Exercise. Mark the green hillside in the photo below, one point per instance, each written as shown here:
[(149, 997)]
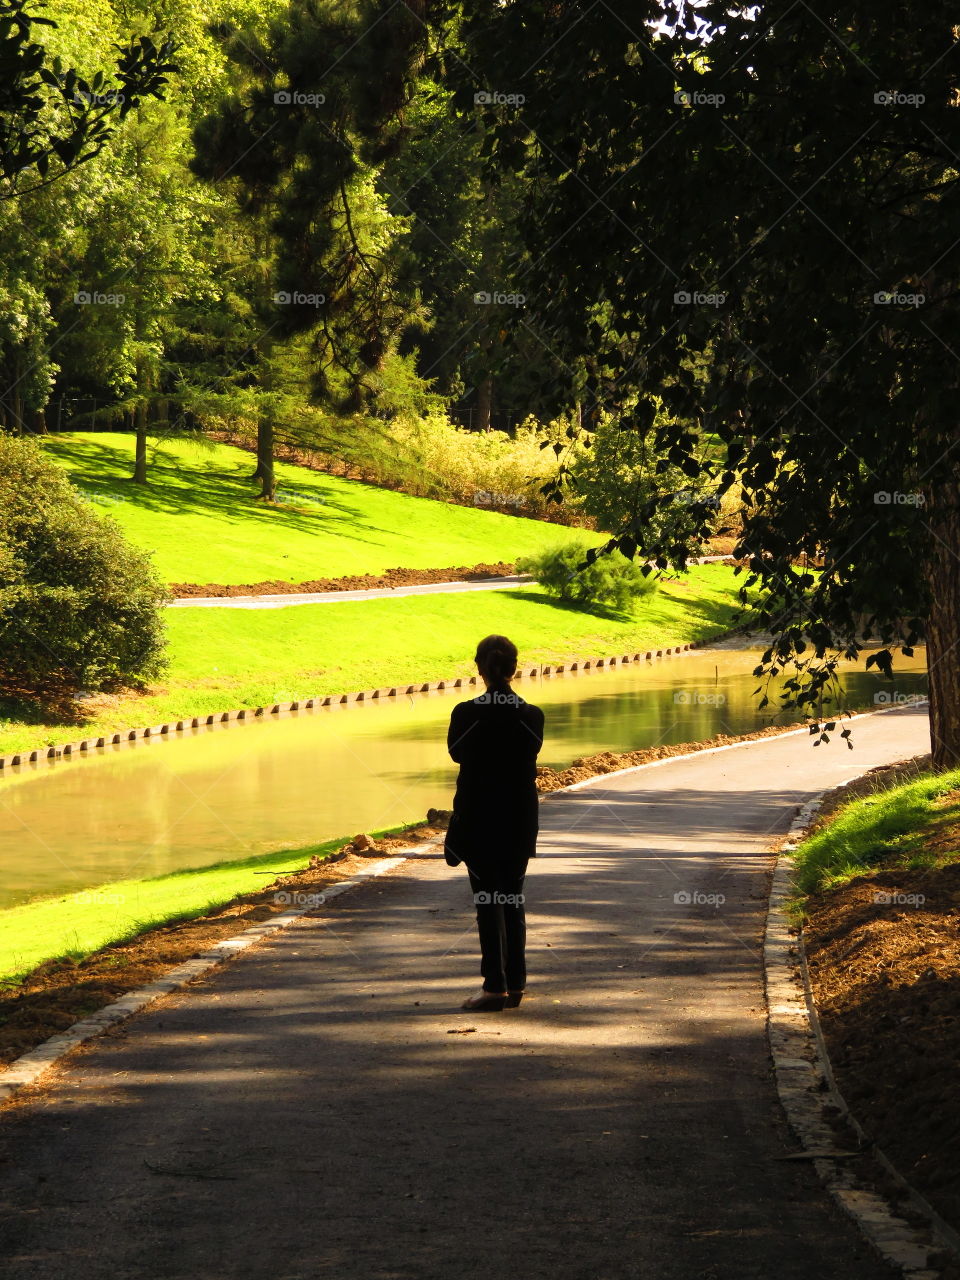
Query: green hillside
[(200, 517)]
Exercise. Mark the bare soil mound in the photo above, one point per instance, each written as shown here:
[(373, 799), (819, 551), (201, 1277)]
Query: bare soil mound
[(884, 958)]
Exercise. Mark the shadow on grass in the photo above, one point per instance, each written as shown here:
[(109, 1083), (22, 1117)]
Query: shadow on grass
[(572, 606), (176, 488), (53, 704), (719, 613)]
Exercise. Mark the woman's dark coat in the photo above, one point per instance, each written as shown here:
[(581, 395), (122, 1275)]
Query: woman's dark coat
[(495, 738)]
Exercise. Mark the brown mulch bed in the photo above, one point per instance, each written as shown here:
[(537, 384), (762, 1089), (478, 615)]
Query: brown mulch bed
[(363, 581), (355, 582), (886, 979)]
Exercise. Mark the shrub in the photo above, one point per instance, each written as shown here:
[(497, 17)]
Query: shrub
[(620, 474), (611, 580), (78, 604), (428, 456)]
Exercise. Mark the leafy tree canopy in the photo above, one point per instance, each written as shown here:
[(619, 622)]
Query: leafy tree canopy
[(772, 189)]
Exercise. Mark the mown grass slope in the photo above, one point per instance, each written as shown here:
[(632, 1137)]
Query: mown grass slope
[(200, 517), (908, 827)]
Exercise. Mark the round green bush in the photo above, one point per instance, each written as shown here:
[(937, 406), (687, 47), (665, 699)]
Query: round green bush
[(78, 604), (612, 580)]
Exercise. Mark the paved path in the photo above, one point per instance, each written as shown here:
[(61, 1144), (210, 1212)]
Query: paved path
[(306, 1111)]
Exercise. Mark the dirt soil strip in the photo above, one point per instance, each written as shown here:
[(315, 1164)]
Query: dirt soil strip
[(357, 582), (624, 1114), (883, 953), (900, 1224)]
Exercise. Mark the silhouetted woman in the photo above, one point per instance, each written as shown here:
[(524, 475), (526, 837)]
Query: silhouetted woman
[(495, 739)]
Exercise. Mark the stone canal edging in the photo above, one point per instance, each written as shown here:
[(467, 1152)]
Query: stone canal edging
[(86, 746)]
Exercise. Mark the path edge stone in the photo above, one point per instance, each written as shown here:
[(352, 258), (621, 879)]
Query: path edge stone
[(807, 1088)]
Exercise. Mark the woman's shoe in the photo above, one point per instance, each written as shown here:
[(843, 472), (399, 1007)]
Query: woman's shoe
[(485, 1002), (514, 998)]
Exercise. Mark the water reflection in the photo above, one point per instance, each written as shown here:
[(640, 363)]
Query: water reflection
[(219, 793)]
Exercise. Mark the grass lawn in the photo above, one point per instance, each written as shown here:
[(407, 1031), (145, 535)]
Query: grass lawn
[(223, 658), (200, 517), (76, 924), (909, 827)]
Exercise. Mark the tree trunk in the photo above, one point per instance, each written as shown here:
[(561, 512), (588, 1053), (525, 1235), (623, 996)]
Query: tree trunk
[(16, 400), (140, 459), (265, 459), (484, 403), (943, 628), (143, 382), (262, 427)]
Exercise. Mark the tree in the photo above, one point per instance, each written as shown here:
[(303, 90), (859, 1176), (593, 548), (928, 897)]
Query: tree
[(466, 256), (78, 605), (617, 483), (289, 140), (776, 185), (52, 119)]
